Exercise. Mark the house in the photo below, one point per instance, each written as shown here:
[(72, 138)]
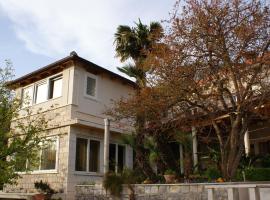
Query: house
[(74, 93)]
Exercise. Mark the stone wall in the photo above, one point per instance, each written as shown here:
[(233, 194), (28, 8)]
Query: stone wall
[(152, 191)]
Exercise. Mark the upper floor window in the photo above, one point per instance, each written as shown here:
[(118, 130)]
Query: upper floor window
[(55, 87), (91, 86), (27, 96), (41, 92)]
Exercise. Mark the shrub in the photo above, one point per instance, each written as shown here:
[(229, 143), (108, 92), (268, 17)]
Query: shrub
[(169, 172), (113, 182), (255, 174), (265, 161), (212, 174), (44, 187)]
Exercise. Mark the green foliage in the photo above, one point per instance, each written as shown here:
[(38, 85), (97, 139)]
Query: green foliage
[(169, 172), (114, 183), (265, 161), (212, 173), (19, 142), (44, 188), (254, 174)]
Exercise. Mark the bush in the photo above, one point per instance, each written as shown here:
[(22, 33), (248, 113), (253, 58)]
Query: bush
[(212, 174), (265, 161), (169, 172), (113, 182), (254, 174)]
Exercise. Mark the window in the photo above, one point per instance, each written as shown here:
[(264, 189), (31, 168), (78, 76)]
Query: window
[(81, 154), (41, 92), (47, 158), (117, 155), (91, 86), (27, 96), (55, 87), (94, 156), (87, 155)]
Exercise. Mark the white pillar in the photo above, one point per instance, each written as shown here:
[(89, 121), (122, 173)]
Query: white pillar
[(106, 144), (195, 148), (233, 194), (247, 143), (254, 193), (181, 158), (210, 194)]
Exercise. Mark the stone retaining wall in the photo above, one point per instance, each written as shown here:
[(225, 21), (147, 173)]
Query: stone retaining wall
[(152, 191)]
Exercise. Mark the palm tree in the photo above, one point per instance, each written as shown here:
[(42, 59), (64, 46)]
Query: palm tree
[(134, 43)]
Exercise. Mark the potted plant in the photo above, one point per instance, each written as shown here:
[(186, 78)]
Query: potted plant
[(45, 190), (170, 176)]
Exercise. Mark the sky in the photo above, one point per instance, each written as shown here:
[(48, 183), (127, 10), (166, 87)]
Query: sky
[(35, 33)]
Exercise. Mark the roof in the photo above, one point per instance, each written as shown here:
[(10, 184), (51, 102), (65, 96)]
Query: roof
[(72, 57)]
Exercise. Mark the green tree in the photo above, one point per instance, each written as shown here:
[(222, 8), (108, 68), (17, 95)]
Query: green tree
[(19, 140), (134, 43)]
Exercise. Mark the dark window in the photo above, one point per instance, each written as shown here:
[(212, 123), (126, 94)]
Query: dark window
[(112, 157), (91, 86), (81, 154), (55, 87), (94, 156), (121, 158)]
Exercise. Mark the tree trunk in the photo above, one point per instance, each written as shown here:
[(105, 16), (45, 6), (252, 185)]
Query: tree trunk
[(232, 150), (142, 155)]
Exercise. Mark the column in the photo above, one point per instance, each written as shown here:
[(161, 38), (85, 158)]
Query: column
[(247, 143), (106, 144), (181, 151), (195, 148)]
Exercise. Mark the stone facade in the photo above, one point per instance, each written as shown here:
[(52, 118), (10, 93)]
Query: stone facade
[(151, 191)]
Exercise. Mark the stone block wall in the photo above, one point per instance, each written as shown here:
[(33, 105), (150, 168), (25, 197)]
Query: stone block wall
[(152, 191)]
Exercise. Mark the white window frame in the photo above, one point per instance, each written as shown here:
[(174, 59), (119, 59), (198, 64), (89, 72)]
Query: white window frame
[(35, 85), (88, 155), (116, 155), (39, 171), (85, 86), (49, 87), (44, 81)]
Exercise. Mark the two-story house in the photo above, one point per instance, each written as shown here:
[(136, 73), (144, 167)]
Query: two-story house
[(74, 93)]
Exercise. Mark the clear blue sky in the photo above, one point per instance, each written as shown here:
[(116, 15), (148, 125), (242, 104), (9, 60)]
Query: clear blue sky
[(35, 33)]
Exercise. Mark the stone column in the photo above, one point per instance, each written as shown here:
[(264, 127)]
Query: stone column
[(106, 144), (247, 143), (181, 151), (195, 148)]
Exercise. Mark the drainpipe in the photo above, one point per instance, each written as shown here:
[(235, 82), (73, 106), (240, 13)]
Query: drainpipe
[(247, 143), (106, 144)]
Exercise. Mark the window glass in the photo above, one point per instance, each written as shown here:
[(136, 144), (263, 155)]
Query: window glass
[(91, 86), (81, 154), (48, 156), (112, 157), (121, 158), (94, 156), (41, 92), (27, 96), (55, 87)]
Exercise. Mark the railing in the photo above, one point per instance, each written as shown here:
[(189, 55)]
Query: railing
[(239, 191)]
